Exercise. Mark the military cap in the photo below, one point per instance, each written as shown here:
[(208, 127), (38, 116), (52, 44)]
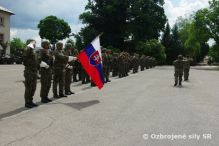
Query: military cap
[(103, 49), (68, 45), (180, 57), (59, 45), (44, 43), (29, 41)]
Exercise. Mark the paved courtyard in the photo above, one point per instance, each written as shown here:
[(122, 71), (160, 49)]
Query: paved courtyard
[(139, 110)]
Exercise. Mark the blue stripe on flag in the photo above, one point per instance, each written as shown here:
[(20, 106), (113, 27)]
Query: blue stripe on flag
[(89, 51), (100, 70)]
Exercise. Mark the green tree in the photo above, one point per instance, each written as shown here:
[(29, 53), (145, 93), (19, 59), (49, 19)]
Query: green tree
[(78, 42), (198, 36), (167, 42), (119, 20), (152, 48), (53, 29), (87, 34), (166, 38), (213, 20), (146, 19), (176, 46), (16, 44), (214, 53), (194, 34), (108, 16)]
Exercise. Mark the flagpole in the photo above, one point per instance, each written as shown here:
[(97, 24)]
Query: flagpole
[(100, 34)]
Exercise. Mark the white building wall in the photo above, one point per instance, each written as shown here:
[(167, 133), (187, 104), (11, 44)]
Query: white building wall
[(5, 29)]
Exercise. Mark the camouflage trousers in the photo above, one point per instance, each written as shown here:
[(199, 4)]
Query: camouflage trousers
[(30, 86), (75, 73), (121, 70), (84, 77), (115, 72), (58, 80), (186, 74), (46, 79), (142, 67), (135, 69), (178, 77), (106, 71), (68, 77)]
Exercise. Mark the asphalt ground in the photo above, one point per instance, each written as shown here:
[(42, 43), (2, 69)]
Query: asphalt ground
[(141, 109)]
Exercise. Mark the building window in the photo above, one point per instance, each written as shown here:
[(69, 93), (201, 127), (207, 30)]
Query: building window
[(1, 21), (1, 37)]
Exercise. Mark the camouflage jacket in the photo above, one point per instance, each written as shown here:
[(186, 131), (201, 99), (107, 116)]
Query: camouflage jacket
[(46, 57), (178, 65), (30, 61), (60, 59), (187, 63)]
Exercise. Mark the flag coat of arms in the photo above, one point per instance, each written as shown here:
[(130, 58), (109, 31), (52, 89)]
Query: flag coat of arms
[(91, 60)]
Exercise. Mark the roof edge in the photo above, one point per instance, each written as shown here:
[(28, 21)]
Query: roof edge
[(6, 10)]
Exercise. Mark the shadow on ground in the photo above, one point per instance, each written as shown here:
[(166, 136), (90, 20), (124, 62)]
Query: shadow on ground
[(82, 105), (76, 105)]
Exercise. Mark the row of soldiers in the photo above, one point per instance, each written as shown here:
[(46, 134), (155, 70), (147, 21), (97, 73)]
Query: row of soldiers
[(57, 64), (62, 66), (117, 64)]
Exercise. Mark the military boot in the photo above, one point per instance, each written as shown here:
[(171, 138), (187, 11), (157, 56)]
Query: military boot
[(56, 96), (62, 95)]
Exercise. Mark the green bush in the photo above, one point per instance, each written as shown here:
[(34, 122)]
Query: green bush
[(152, 48), (114, 50), (15, 44), (214, 53)]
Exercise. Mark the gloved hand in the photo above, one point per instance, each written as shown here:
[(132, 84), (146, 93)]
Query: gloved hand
[(44, 65), (71, 58), (70, 67), (47, 67)]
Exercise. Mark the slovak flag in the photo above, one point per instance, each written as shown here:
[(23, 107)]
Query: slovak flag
[(91, 60)]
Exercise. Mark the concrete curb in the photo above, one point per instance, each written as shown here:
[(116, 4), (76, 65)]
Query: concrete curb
[(206, 67)]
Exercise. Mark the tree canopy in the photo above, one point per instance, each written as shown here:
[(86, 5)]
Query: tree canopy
[(15, 44), (190, 35), (152, 48), (53, 29), (119, 20)]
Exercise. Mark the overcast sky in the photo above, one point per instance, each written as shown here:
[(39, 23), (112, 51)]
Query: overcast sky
[(28, 13)]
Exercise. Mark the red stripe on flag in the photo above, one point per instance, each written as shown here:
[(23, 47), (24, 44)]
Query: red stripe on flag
[(91, 70)]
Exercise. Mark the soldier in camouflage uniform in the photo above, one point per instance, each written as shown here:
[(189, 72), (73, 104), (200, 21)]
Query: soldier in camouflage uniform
[(110, 59), (59, 70), (187, 61), (178, 67), (46, 63), (126, 64), (147, 62), (115, 66), (150, 62), (30, 73), (84, 76), (121, 65), (68, 70), (142, 62), (106, 65), (135, 63), (153, 61)]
